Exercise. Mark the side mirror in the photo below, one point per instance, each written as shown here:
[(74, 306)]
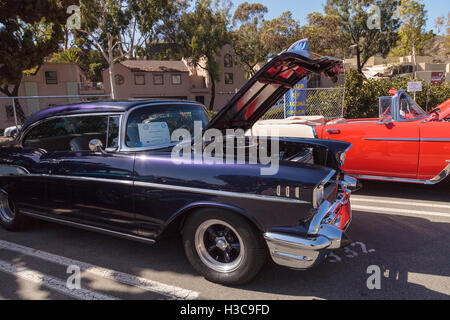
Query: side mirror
[(96, 145)]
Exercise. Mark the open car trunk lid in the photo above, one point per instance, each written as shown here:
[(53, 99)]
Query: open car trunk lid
[(263, 90)]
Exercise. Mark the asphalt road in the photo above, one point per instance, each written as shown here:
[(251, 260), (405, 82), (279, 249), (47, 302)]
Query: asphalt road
[(402, 229)]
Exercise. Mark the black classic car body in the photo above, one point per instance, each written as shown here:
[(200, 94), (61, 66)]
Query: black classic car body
[(88, 165)]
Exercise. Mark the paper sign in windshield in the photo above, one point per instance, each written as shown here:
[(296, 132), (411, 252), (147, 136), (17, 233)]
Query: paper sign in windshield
[(154, 134)]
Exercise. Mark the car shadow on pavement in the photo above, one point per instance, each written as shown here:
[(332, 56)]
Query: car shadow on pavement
[(439, 192), (411, 252)]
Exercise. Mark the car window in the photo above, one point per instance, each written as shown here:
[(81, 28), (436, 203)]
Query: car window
[(67, 133), (153, 125), (409, 110)]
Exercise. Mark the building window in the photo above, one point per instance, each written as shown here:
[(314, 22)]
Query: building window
[(176, 79), (119, 79), (158, 79), (200, 99), (229, 78), (139, 79), (228, 61), (51, 77)]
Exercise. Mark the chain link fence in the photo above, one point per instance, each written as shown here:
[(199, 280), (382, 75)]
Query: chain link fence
[(327, 102)]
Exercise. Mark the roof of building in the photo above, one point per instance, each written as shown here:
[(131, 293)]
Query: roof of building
[(97, 107), (155, 66)]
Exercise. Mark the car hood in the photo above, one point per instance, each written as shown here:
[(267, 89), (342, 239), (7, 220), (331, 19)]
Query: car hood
[(269, 84)]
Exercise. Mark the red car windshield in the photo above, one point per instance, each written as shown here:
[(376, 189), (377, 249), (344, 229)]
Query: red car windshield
[(409, 110)]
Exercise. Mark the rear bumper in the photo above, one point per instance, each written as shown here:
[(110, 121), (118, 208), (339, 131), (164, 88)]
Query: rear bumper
[(326, 232)]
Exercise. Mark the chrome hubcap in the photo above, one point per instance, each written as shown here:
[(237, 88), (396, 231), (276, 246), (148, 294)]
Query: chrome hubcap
[(6, 208), (219, 246)]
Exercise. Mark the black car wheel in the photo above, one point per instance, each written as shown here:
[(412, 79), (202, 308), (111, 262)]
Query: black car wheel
[(224, 247), (10, 218)]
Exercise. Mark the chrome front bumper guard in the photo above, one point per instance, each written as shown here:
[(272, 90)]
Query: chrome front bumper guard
[(304, 252)]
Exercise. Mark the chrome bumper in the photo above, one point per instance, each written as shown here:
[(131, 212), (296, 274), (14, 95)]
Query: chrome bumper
[(326, 232)]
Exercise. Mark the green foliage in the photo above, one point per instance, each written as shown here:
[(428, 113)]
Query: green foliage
[(414, 39), (325, 35), (279, 33), (361, 95), (353, 18), (204, 32), (71, 55), (247, 40), (29, 32)]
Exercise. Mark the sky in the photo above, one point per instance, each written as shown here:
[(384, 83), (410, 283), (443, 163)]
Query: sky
[(300, 8)]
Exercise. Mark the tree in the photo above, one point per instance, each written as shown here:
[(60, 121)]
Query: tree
[(447, 37), (29, 32), (247, 41), (278, 34), (439, 24), (249, 13), (204, 31), (413, 37), (166, 43), (117, 27), (325, 35), (354, 19)]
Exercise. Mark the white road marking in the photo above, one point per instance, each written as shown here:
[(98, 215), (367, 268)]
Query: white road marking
[(51, 282), (399, 211), (407, 202), (433, 282), (169, 291)]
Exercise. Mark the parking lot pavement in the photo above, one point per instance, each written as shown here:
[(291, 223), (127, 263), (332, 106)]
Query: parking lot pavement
[(402, 229)]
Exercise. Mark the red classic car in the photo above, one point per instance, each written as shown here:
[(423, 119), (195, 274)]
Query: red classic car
[(404, 144)]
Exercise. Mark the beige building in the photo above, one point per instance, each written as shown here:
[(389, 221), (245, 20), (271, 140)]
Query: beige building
[(427, 71), (151, 79), (51, 79)]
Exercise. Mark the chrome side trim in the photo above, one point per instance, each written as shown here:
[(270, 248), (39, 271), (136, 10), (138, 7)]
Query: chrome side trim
[(438, 178), (435, 140), (442, 175), (87, 227), (408, 139), (87, 179), (175, 188), (392, 179), (394, 139), (218, 193)]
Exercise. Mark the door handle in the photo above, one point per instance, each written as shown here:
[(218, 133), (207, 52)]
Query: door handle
[(334, 131)]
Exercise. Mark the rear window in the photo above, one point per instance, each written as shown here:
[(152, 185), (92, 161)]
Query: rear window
[(152, 126)]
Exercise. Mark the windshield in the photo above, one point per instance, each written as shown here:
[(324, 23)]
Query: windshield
[(409, 110)]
